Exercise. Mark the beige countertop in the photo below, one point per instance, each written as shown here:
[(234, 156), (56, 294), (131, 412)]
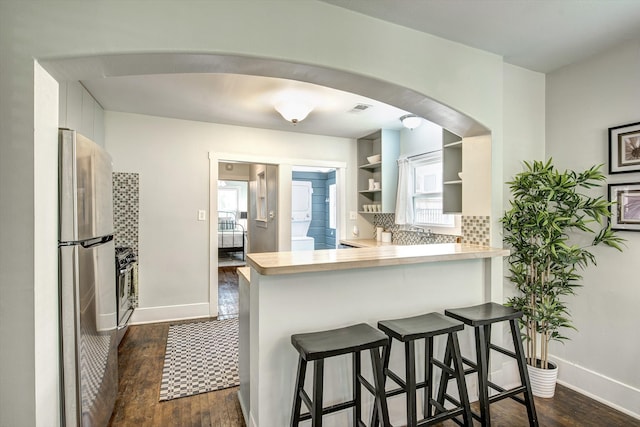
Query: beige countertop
[(245, 272), (364, 243), (274, 263)]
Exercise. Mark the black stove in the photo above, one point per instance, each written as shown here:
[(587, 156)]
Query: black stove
[(125, 283), (124, 256)]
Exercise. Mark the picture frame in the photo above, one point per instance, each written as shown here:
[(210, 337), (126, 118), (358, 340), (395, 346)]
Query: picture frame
[(625, 212), (624, 148)]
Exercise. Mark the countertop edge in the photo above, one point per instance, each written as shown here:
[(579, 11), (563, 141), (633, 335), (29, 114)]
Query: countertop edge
[(279, 263)]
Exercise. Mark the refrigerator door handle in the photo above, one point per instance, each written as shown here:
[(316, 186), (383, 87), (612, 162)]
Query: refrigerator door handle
[(97, 241)]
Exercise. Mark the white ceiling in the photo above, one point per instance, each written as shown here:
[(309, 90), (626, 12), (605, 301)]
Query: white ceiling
[(243, 100), (541, 35)]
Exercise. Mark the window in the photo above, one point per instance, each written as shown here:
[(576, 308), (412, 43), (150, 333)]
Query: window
[(228, 199), (427, 192)]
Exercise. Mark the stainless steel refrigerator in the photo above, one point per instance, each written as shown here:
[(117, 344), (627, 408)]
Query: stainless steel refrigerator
[(88, 321)]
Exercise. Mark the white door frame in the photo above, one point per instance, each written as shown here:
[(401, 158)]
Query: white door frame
[(284, 204)]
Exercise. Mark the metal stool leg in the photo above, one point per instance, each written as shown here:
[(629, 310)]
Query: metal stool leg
[(297, 400), (378, 379), (318, 375), (410, 379), (459, 375), (428, 377), (483, 386), (375, 417), (445, 377), (524, 375), (357, 392)]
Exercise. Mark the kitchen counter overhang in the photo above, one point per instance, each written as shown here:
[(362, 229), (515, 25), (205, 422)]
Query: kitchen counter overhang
[(275, 263)]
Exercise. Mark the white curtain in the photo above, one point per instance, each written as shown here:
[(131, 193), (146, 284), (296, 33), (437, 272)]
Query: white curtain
[(404, 198)]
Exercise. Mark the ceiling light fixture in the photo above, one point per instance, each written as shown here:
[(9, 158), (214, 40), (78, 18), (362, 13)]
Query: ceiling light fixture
[(411, 121), (293, 111)]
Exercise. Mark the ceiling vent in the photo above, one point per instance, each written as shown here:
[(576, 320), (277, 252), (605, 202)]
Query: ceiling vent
[(359, 108)]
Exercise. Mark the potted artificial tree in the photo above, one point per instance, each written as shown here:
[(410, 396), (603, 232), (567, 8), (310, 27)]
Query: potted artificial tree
[(549, 214)]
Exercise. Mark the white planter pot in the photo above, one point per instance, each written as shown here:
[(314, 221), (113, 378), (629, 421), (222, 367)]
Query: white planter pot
[(543, 381)]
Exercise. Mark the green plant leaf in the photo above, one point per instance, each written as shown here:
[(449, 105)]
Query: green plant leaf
[(546, 211)]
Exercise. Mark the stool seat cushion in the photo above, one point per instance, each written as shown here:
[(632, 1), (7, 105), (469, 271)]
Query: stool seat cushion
[(423, 326), (319, 345), (483, 314)]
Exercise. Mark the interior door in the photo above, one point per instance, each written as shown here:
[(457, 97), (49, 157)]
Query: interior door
[(263, 208)]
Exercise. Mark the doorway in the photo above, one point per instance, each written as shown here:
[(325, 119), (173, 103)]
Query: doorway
[(314, 208), (233, 196)]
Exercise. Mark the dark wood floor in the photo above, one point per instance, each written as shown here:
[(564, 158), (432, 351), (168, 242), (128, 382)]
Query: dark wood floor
[(141, 358)]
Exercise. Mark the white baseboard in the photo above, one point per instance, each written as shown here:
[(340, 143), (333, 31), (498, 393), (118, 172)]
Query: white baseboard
[(609, 391), (142, 315)]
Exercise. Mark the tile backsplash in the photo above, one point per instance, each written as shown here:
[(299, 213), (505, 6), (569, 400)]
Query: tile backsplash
[(126, 209), (126, 213), (475, 230)]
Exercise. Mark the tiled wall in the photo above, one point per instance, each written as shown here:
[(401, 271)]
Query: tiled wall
[(475, 230), (126, 212)]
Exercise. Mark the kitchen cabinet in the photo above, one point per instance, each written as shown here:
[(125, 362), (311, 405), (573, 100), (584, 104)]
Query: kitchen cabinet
[(451, 173), (385, 143)]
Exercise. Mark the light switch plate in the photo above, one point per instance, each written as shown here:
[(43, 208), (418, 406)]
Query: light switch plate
[(353, 215), (202, 215)]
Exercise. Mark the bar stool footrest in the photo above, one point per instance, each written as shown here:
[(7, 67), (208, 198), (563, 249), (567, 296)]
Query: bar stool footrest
[(451, 399), (443, 416), (508, 393), (503, 351), (330, 409)]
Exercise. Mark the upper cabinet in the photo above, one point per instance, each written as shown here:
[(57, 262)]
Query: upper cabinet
[(377, 156), (451, 173), (79, 111)]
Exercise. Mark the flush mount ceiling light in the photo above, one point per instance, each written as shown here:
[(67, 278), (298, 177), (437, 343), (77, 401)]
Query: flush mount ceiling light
[(292, 110), (411, 121)]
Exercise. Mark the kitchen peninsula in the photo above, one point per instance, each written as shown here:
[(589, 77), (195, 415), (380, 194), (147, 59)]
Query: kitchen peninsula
[(292, 292)]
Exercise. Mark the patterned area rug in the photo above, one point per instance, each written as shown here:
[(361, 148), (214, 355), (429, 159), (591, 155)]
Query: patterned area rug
[(200, 357)]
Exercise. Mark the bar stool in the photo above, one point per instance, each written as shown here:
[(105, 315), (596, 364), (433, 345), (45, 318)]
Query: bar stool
[(317, 346), (481, 317), (427, 326)]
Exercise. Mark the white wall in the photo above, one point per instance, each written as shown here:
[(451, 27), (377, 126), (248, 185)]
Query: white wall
[(466, 79), (171, 157), (45, 289), (583, 101), (524, 130)]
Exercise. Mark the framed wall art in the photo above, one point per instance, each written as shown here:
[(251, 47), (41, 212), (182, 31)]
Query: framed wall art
[(624, 148), (625, 213)]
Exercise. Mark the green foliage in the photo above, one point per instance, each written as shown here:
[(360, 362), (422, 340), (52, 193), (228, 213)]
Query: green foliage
[(547, 209)]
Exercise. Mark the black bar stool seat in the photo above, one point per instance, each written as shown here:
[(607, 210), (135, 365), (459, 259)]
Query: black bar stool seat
[(481, 317), (426, 326), (483, 314), (316, 347)]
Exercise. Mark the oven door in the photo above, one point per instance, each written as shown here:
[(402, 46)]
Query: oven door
[(125, 276)]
